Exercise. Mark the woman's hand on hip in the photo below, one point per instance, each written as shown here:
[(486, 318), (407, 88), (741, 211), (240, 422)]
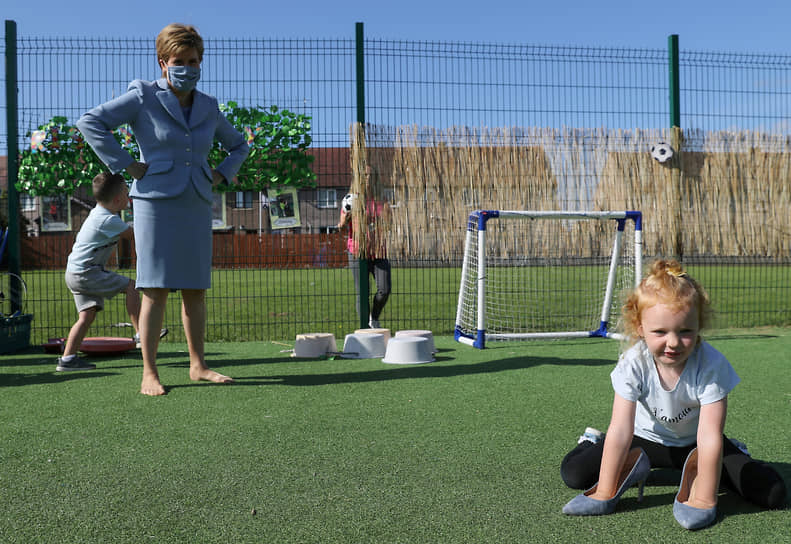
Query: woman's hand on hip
[(137, 169), (217, 178)]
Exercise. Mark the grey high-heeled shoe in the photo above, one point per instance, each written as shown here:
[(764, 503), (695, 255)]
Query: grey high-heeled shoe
[(688, 516), (584, 505)]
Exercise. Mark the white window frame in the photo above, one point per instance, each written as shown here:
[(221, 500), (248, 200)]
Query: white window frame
[(329, 200)]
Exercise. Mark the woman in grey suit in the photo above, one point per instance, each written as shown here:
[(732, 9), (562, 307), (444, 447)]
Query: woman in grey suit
[(175, 126)]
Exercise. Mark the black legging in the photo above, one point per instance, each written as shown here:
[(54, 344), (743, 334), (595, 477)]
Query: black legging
[(380, 268), (754, 480)]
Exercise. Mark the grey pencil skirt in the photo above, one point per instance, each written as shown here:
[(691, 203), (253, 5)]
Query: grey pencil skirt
[(173, 239)]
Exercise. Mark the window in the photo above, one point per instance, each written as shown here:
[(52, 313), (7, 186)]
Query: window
[(55, 212), (327, 198), (27, 203), (218, 219), (243, 199)]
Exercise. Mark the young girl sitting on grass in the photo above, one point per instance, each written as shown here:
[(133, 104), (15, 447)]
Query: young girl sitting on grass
[(671, 392)]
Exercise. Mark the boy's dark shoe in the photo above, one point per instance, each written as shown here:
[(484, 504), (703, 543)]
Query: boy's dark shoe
[(78, 363)]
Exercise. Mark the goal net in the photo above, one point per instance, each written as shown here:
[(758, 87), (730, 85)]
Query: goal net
[(545, 274)]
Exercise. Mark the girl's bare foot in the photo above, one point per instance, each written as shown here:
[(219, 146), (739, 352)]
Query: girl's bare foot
[(206, 374), (151, 386)]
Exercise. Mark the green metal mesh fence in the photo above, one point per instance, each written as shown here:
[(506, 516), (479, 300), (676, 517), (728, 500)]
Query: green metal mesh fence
[(426, 84)]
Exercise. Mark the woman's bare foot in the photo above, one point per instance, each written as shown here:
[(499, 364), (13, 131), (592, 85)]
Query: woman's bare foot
[(151, 386), (203, 373)]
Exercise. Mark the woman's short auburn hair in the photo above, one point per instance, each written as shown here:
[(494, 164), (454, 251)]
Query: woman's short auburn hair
[(176, 37)]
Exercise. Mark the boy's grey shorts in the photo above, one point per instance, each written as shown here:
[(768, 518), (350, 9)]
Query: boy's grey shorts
[(91, 287)]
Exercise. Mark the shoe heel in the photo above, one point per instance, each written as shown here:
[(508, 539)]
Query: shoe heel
[(640, 490), (583, 505)]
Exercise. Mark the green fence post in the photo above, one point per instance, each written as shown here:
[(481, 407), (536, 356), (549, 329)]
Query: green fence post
[(12, 245), (362, 263), (673, 81), (676, 141)]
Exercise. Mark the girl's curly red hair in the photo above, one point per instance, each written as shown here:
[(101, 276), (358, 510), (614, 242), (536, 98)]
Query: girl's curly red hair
[(666, 283)]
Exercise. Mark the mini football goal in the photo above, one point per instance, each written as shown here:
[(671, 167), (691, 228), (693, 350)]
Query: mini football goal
[(546, 274)]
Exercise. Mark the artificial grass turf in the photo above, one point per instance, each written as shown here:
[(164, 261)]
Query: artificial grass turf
[(466, 449)]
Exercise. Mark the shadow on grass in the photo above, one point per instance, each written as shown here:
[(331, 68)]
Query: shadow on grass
[(40, 378), (397, 372), (729, 503), (219, 360), (35, 355), (23, 357), (754, 336)]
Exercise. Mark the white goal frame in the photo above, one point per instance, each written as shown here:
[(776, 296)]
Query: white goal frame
[(475, 241)]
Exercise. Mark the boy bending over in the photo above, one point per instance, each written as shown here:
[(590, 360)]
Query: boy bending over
[(86, 277)]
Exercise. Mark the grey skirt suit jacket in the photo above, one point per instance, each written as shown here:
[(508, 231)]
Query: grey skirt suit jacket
[(172, 202)]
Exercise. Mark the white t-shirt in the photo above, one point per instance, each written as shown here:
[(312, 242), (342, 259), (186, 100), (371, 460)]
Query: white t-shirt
[(671, 417), (96, 240)]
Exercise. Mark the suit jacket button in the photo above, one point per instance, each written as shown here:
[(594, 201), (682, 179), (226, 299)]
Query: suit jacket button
[(186, 164)]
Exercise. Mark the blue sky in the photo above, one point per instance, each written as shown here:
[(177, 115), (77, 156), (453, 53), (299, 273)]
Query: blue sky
[(758, 26)]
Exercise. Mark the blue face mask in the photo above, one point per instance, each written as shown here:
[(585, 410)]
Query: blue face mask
[(183, 78)]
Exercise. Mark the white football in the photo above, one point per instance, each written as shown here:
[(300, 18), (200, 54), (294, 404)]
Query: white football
[(662, 152), (348, 202)]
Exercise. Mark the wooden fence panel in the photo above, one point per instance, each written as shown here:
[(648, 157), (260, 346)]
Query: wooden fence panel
[(230, 250)]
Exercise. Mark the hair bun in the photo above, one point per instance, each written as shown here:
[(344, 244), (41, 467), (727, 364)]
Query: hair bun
[(670, 267)]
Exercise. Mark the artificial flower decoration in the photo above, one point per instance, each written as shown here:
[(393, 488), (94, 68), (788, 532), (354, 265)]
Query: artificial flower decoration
[(37, 138)]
